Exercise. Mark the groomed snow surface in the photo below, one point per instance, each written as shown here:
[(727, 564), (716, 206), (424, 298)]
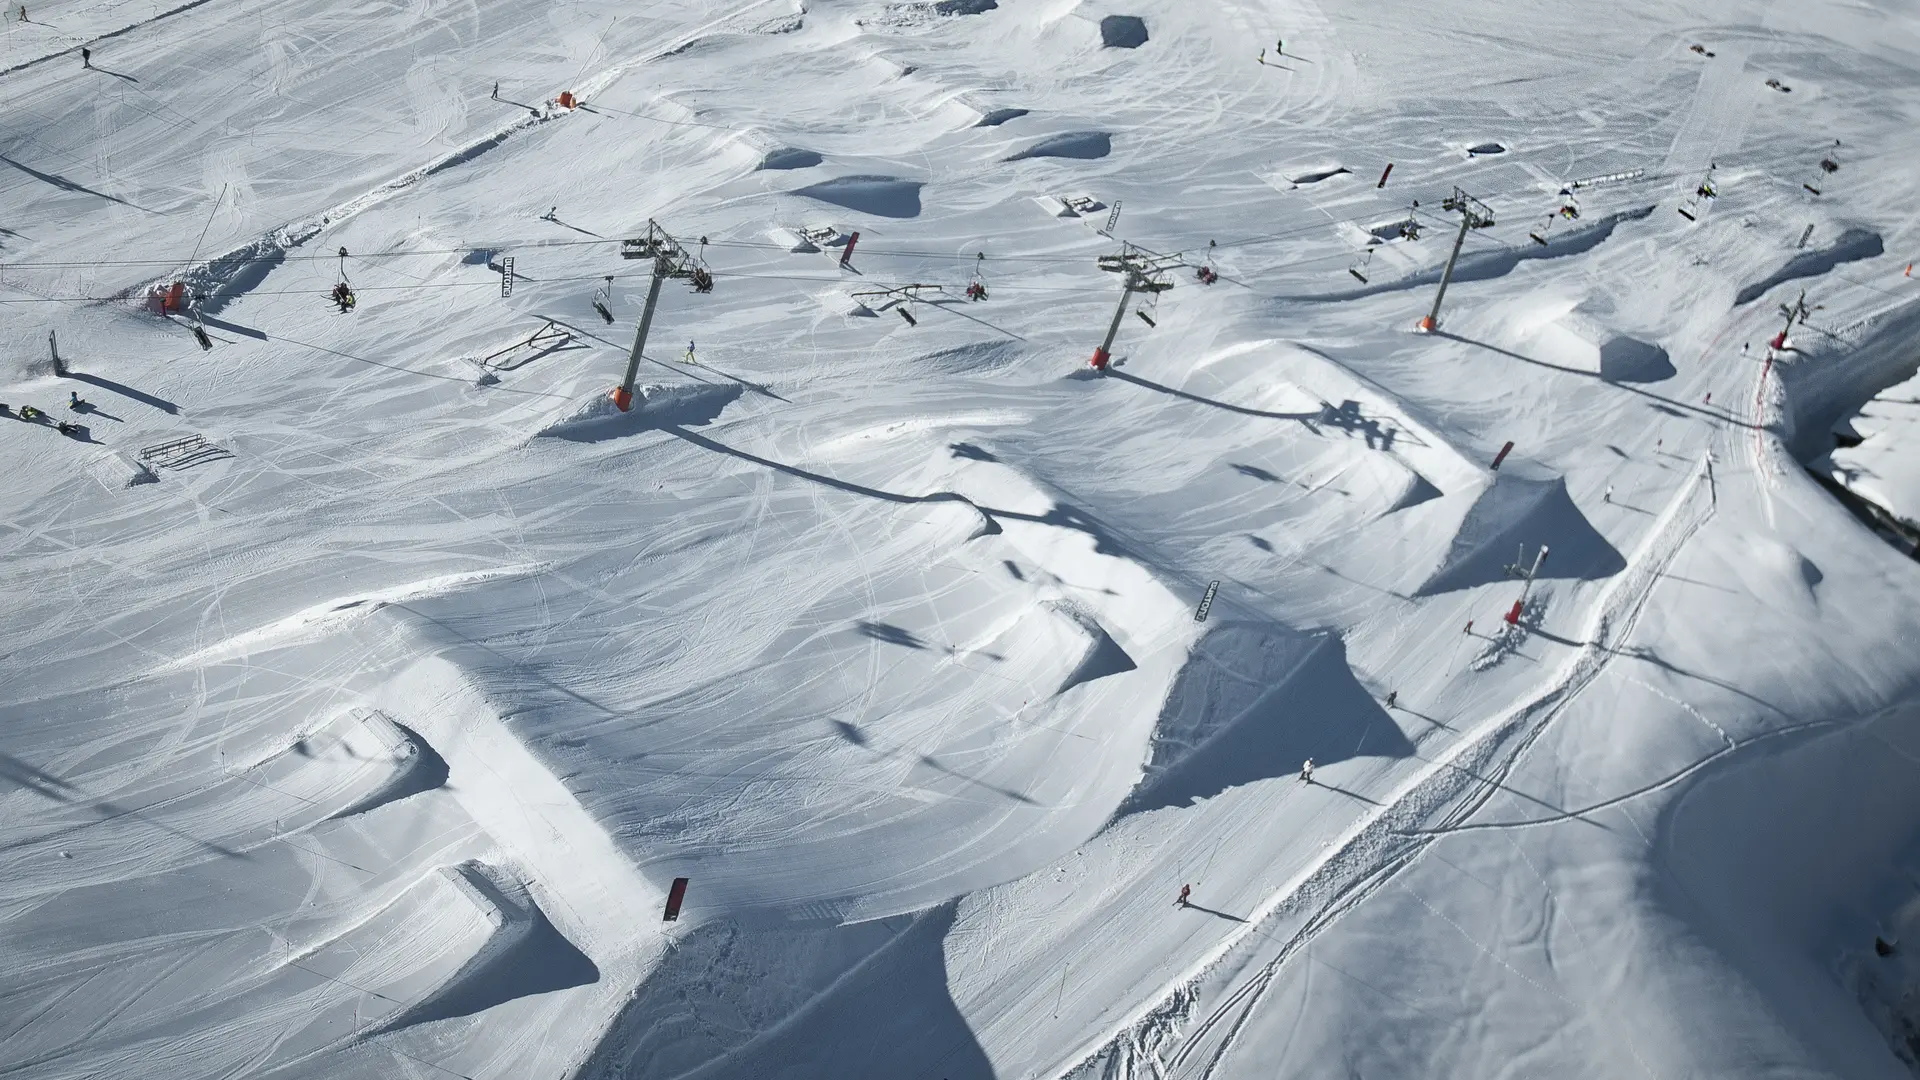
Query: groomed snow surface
[(366, 679)]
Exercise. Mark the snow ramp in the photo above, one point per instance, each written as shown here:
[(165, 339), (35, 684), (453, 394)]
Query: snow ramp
[(1486, 531), (1251, 703)]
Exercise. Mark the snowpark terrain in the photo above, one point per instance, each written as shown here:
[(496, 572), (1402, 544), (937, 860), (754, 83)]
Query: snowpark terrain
[(367, 678)]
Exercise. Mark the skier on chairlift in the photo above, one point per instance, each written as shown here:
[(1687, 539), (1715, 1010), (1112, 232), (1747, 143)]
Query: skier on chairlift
[(343, 296)]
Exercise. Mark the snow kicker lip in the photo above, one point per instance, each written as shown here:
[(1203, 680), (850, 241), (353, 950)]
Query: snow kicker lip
[(1486, 265), (881, 196), (1081, 145)]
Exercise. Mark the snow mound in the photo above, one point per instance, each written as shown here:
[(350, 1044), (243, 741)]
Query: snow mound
[(1253, 701), (881, 196), (679, 404), (358, 760), (118, 472), (408, 959), (1514, 513), (1851, 246), (788, 157), (1082, 145), (1582, 340), (1123, 31), (996, 117)]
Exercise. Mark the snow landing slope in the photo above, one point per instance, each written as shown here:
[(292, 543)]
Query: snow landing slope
[(366, 680)]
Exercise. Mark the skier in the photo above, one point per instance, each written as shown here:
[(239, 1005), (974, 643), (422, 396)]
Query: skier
[(1306, 771), (1280, 46), (343, 295), (1392, 696), (1185, 891), (688, 359), (1608, 497), (86, 57), (1263, 56), (1469, 626), (496, 90), (1709, 400)]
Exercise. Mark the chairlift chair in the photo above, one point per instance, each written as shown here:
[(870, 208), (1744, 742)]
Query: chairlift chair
[(1828, 166), (1206, 273), (1153, 287), (603, 300), (977, 285), (1359, 266)]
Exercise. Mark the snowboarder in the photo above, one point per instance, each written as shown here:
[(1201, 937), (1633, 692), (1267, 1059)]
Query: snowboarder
[(1263, 56), (67, 428), (1306, 771), (29, 413), (1185, 891), (86, 57), (74, 402), (1608, 497), (1392, 696)]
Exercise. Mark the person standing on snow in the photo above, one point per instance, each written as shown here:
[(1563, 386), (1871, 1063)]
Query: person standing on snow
[(86, 57), (1306, 771), (1608, 497), (1185, 891)]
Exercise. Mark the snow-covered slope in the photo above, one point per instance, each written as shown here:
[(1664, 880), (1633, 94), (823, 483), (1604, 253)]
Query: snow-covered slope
[(367, 678)]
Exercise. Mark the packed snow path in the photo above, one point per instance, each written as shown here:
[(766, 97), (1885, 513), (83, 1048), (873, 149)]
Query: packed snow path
[(365, 739)]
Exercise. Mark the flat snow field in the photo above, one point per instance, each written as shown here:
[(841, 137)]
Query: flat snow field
[(367, 678)]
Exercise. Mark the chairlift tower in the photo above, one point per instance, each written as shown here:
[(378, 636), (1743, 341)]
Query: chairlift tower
[(1141, 271), (1474, 214), (1795, 312), (669, 260)]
